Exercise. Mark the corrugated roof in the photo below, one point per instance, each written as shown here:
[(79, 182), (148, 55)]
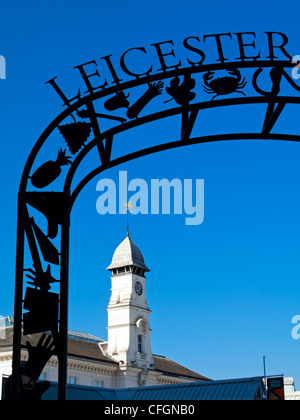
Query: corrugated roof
[(75, 393), (228, 390), (235, 390)]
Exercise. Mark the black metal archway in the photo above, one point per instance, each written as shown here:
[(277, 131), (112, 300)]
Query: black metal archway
[(47, 191)]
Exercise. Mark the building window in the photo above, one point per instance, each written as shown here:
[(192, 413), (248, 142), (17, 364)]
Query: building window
[(71, 380), (97, 384), (140, 343)]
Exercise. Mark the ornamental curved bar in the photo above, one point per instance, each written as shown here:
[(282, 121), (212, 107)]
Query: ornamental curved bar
[(182, 92)]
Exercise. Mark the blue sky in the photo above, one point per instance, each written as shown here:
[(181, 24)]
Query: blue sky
[(223, 293)]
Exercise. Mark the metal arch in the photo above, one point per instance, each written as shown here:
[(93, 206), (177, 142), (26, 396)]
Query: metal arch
[(184, 141), (189, 111), (89, 99), (146, 80), (174, 145)]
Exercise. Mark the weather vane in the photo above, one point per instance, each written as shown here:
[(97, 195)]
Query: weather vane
[(128, 208)]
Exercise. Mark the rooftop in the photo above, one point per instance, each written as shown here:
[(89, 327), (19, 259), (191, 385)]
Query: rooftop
[(84, 336), (248, 389), (128, 254), (86, 347)]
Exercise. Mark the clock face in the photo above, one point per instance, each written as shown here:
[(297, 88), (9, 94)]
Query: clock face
[(138, 288)]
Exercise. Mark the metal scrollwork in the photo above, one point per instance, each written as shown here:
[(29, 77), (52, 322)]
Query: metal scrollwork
[(47, 193)]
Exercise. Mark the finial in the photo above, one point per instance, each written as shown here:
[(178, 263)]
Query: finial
[(128, 207)]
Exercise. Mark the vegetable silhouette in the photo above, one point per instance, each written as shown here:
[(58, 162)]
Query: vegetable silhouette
[(50, 253), (50, 170), (116, 102), (155, 89), (182, 92)]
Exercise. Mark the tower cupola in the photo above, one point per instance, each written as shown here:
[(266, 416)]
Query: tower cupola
[(128, 258), (128, 310)]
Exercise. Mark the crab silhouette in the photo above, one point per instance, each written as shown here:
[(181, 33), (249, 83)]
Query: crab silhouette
[(224, 85)]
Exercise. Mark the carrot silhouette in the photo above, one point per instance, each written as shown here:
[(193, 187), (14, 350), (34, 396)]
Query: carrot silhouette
[(155, 89)]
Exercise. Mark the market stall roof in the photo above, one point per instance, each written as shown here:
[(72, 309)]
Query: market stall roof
[(248, 389)]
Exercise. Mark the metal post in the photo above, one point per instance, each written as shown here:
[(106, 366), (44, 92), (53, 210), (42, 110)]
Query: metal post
[(18, 301), (265, 376), (64, 297)]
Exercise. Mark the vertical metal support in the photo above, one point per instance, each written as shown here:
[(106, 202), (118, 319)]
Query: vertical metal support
[(18, 299), (62, 344), (265, 378), (188, 125), (62, 351)]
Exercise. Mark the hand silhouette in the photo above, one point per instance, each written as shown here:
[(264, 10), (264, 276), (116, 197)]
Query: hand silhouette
[(38, 356)]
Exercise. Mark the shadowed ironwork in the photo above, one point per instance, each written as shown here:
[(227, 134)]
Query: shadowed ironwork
[(194, 89)]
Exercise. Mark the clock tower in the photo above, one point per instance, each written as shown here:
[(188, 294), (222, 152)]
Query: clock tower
[(128, 310)]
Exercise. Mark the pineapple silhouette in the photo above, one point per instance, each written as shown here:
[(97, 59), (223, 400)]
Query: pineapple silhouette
[(50, 170)]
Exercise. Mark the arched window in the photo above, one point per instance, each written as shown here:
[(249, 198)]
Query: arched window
[(142, 329), (140, 344)]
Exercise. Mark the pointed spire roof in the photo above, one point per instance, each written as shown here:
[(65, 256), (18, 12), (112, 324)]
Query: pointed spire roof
[(126, 254)]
